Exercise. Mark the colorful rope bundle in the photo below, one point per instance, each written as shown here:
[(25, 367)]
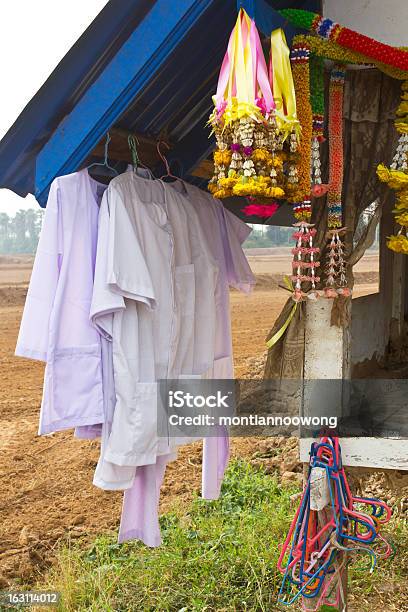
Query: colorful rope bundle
[(397, 176), (326, 525)]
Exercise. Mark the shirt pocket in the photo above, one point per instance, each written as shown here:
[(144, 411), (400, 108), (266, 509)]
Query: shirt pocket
[(133, 440), (76, 382), (182, 346)]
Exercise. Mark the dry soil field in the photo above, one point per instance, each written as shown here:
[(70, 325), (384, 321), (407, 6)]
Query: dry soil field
[(46, 482)]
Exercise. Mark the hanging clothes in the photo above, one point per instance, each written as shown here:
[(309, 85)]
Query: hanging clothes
[(140, 511), (55, 326), (113, 312), (152, 266), (225, 234)]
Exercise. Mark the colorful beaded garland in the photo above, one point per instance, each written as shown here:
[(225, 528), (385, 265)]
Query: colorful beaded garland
[(329, 30), (330, 50), (335, 268)]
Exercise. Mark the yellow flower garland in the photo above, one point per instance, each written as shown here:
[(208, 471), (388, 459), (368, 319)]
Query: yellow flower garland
[(301, 78), (397, 179), (398, 244), (402, 218)]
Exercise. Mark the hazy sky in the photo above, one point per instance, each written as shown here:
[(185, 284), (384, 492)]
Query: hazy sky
[(35, 36)]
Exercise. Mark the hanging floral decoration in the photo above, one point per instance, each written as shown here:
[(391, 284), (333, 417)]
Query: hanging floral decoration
[(396, 176), (330, 50), (265, 211), (247, 158), (335, 269), (298, 182), (287, 126), (305, 264), (287, 121), (254, 120), (317, 104), (344, 37)]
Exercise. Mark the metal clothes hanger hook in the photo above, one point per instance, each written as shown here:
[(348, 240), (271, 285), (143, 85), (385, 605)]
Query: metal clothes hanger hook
[(133, 142), (105, 163), (108, 139), (163, 157)]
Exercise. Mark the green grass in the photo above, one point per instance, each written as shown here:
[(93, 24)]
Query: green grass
[(218, 556)]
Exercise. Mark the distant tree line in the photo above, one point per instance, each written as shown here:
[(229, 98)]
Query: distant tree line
[(269, 236), (19, 234), (275, 236)]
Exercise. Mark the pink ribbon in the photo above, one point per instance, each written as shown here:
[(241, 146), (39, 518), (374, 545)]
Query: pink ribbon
[(260, 71), (260, 80)]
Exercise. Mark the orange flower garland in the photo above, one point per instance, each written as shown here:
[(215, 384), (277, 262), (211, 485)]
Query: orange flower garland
[(336, 281), (336, 148)]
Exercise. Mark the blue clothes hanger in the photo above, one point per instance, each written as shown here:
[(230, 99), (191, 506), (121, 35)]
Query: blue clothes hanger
[(107, 170)]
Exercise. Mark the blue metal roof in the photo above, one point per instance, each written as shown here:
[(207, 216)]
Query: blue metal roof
[(145, 66)]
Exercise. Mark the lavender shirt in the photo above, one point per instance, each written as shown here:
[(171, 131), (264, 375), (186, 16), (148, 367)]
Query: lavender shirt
[(55, 327)]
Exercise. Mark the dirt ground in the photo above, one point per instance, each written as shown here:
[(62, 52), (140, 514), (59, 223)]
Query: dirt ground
[(46, 482)]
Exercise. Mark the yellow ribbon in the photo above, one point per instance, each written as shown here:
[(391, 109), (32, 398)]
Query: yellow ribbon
[(237, 110), (282, 82), (241, 64), (278, 335), (284, 327)]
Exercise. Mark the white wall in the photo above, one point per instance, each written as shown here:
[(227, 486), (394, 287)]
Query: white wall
[(384, 20)]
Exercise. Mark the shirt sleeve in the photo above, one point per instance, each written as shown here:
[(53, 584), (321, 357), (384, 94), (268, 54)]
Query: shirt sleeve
[(120, 269), (235, 232), (127, 272), (33, 337), (104, 301)]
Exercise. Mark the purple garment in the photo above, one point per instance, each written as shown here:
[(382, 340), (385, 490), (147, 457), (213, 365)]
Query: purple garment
[(88, 432), (140, 512), (55, 327), (215, 462)]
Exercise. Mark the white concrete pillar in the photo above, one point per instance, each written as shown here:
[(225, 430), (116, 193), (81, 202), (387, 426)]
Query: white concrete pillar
[(327, 357)]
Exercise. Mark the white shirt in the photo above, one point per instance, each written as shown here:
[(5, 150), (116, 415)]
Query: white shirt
[(154, 272)]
